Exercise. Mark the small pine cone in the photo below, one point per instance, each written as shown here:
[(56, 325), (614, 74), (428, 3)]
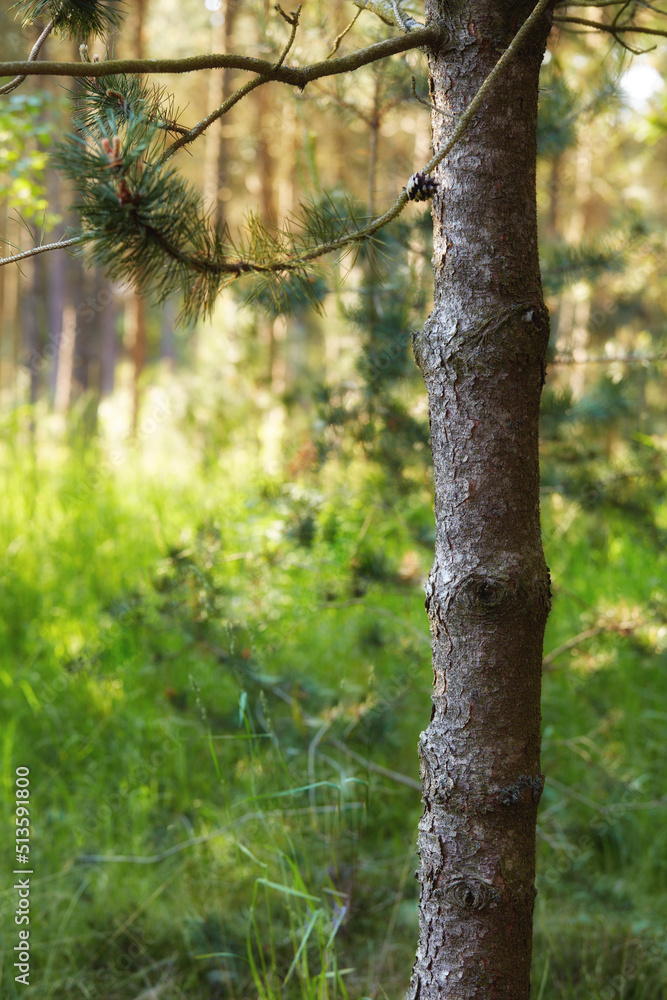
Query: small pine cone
[(421, 187)]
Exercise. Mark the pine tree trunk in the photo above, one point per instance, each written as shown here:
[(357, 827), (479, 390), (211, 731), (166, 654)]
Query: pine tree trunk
[(482, 354)]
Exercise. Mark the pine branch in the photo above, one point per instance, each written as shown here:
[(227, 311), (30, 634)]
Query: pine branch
[(365, 233), (614, 28), (123, 97), (293, 75), (464, 124)]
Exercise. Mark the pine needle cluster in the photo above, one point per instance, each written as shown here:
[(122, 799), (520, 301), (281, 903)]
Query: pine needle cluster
[(323, 222), (123, 97), (74, 18), (147, 226), (141, 221)]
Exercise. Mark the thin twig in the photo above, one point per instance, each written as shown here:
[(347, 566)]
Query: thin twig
[(310, 720), (61, 245), (294, 21), (610, 28), (606, 3), (358, 602), (34, 52), (390, 13), (189, 135), (614, 809), (339, 38), (401, 779), (201, 126), (625, 359), (570, 644), (427, 104), (398, 14), (621, 627)]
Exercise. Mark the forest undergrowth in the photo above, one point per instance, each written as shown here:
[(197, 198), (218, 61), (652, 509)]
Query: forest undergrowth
[(217, 678)]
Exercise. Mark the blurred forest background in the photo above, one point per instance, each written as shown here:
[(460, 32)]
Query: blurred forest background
[(214, 656)]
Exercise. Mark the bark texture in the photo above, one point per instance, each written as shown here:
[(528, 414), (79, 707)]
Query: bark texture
[(483, 354)]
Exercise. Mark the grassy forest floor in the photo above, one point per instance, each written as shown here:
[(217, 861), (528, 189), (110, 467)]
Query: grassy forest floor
[(220, 676)]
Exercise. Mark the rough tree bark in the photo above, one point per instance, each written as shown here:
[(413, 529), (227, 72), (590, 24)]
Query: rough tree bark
[(482, 354)]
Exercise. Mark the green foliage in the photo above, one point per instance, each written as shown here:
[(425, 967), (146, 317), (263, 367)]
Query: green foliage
[(378, 414), (594, 452), (557, 120), (74, 18), (564, 110), (25, 133), (564, 264)]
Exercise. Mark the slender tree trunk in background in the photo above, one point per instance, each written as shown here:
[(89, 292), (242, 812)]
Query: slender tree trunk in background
[(168, 334), (83, 290), (63, 391), (107, 312), (215, 170), (267, 129), (482, 354), (67, 336), (575, 302), (9, 318), (269, 335), (135, 334), (34, 322), (135, 312), (57, 278), (553, 198), (374, 123), (57, 282)]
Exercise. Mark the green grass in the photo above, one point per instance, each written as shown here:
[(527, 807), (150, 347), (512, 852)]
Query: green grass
[(194, 668)]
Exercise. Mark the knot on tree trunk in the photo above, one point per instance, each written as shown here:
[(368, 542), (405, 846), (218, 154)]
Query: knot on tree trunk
[(468, 893)]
